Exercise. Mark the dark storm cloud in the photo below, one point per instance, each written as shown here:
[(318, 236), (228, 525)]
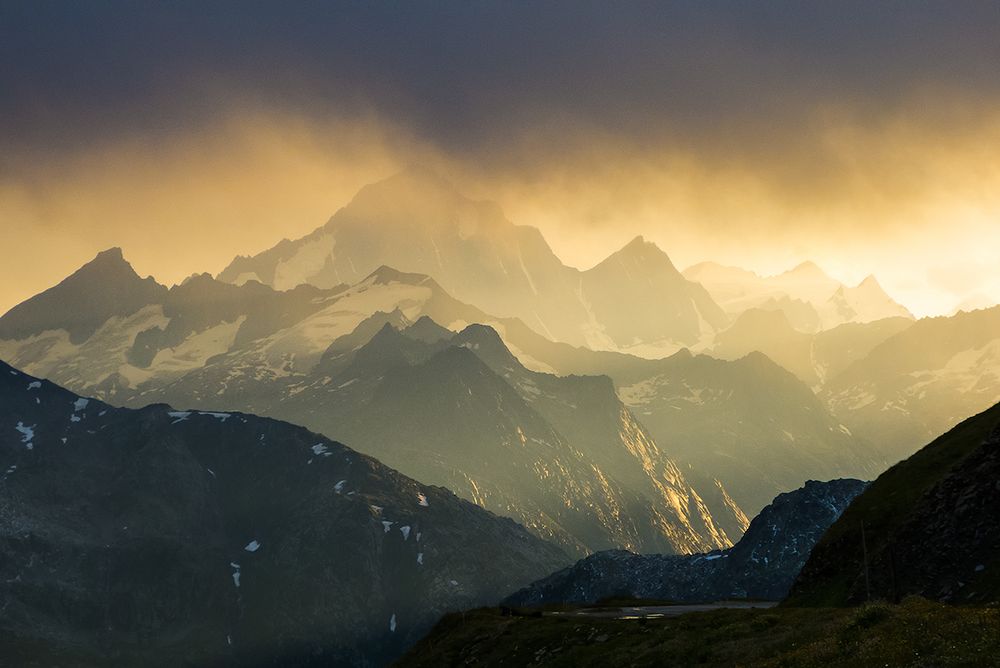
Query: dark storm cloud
[(468, 75)]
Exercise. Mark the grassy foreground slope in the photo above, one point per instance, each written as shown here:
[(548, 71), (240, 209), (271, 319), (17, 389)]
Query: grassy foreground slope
[(930, 524), (916, 633)]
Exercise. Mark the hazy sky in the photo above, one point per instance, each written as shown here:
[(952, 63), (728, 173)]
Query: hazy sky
[(862, 135)]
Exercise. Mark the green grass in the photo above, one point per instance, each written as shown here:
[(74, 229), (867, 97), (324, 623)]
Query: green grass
[(914, 633)]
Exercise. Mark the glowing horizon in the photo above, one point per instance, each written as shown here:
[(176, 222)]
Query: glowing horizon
[(780, 137)]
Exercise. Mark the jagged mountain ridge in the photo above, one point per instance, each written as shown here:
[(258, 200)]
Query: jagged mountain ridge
[(808, 296), (178, 331), (163, 537), (762, 565), (587, 410), (570, 413), (243, 375), (155, 335), (245, 341), (266, 333), (73, 305), (465, 412), (418, 222)]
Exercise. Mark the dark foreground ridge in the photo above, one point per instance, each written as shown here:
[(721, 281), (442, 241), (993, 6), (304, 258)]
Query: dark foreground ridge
[(163, 537), (929, 525)]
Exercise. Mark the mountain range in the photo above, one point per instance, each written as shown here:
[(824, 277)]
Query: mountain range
[(921, 381), (815, 357), (166, 537), (214, 345), (416, 222), (735, 428), (561, 455), (748, 422), (807, 295), (628, 410)]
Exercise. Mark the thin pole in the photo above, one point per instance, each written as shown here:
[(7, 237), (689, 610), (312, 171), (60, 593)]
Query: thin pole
[(864, 551)]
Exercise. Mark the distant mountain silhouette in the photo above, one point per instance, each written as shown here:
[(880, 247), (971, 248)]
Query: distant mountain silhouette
[(921, 381), (418, 222), (748, 422), (105, 287), (809, 297), (814, 357)]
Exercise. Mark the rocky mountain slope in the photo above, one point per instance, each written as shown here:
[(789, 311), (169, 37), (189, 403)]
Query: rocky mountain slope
[(588, 411), (165, 537), (745, 422), (152, 336), (748, 422), (160, 335), (762, 565), (416, 221), (215, 345), (927, 526), (75, 307), (562, 455), (922, 381)]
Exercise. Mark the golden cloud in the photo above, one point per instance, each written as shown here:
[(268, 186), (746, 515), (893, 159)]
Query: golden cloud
[(897, 197)]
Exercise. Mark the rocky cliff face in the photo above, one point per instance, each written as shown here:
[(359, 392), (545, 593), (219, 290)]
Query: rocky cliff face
[(163, 537), (763, 564), (561, 455)]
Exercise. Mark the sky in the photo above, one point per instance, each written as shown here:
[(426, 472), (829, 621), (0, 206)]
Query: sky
[(864, 136)]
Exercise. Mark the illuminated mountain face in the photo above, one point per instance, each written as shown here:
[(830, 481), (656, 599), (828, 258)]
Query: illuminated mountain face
[(634, 301)]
